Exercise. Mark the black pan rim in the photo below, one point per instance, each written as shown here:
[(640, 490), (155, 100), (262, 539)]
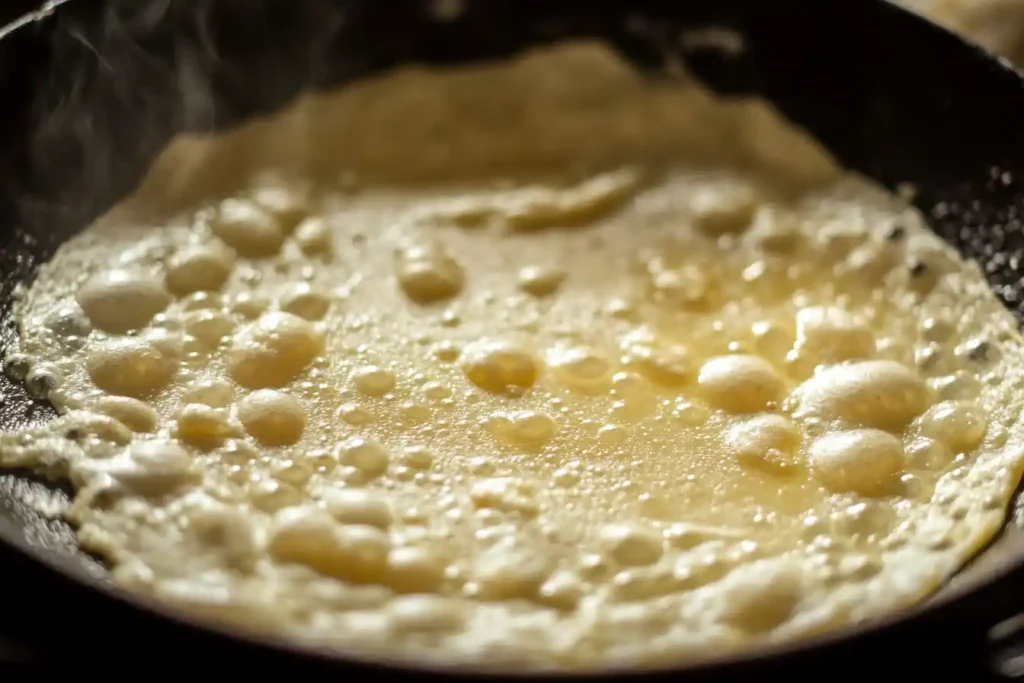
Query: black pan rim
[(751, 655)]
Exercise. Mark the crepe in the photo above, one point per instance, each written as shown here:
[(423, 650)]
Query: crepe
[(538, 364)]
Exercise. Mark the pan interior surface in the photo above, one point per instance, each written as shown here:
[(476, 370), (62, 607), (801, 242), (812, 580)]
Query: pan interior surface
[(332, 408)]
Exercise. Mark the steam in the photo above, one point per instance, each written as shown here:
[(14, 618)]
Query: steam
[(114, 85)]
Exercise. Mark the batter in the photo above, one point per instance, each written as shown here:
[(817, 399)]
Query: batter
[(528, 365)]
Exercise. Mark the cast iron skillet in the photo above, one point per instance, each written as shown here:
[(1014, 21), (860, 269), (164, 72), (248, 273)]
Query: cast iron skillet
[(93, 90)]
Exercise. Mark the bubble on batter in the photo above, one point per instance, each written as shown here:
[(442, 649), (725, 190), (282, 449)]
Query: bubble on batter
[(130, 367), (358, 506), (315, 237), (525, 427), (581, 368), (305, 301), (309, 536), (17, 366), (876, 393), (427, 273), (365, 455), (371, 380), (156, 467), (248, 228), (537, 209), (769, 443), (740, 383), (629, 545), (634, 398), (137, 415), (724, 209), (202, 426), (272, 352), (69, 325), (414, 569), (688, 287), (250, 305), (506, 494), (119, 301), (273, 418), (831, 335), (539, 280), (199, 268), (762, 595), (209, 328), (669, 365), (355, 414), (43, 380), (214, 392), (868, 462), (500, 366), (418, 457), (959, 425), (287, 202)]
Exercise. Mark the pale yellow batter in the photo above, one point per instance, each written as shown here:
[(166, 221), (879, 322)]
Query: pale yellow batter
[(526, 365), (996, 25)]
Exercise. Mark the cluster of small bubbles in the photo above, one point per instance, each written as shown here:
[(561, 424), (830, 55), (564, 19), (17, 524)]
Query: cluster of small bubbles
[(213, 392), (436, 391), (69, 324), (688, 413), (581, 368), (688, 287), (666, 364), (354, 414), (765, 442), (412, 414), (525, 427)]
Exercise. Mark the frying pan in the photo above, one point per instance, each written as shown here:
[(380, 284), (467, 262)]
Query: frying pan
[(92, 91)]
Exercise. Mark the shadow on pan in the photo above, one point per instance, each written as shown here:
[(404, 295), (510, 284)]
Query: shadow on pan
[(93, 90)]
